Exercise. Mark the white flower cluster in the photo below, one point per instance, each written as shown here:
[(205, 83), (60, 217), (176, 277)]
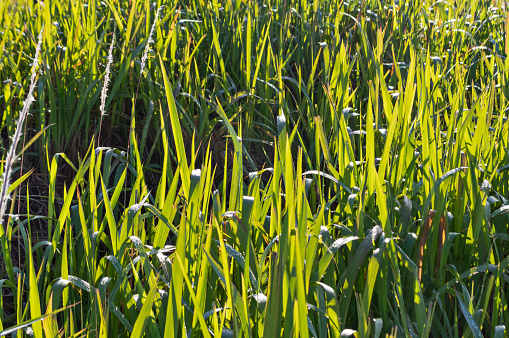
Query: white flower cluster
[(150, 41), (104, 92), (11, 154)]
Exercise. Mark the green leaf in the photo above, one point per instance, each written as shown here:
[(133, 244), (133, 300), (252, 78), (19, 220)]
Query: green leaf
[(470, 319), (145, 313)]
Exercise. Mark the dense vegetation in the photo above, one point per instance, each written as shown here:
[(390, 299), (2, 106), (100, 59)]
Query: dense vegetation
[(254, 168)]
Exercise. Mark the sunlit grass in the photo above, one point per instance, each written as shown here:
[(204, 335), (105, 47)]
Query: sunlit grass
[(277, 168)]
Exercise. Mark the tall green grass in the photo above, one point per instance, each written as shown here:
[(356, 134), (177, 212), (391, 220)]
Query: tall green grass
[(279, 168)]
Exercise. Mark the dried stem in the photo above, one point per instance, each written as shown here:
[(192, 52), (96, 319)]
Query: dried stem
[(11, 157)]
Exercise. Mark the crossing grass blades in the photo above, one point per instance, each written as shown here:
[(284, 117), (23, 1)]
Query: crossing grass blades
[(254, 168)]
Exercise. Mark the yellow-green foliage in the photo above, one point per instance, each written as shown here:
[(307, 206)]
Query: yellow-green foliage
[(255, 168)]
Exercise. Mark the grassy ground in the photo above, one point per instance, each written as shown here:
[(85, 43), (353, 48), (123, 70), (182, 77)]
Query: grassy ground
[(254, 168)]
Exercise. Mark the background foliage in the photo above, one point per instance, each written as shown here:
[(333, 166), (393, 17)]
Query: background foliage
[(270, 168)]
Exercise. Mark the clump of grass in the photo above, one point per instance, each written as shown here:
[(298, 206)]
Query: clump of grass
[(382, 205)]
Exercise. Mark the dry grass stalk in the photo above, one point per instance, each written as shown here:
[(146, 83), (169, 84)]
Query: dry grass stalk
[(424, 236), (11, 154)]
